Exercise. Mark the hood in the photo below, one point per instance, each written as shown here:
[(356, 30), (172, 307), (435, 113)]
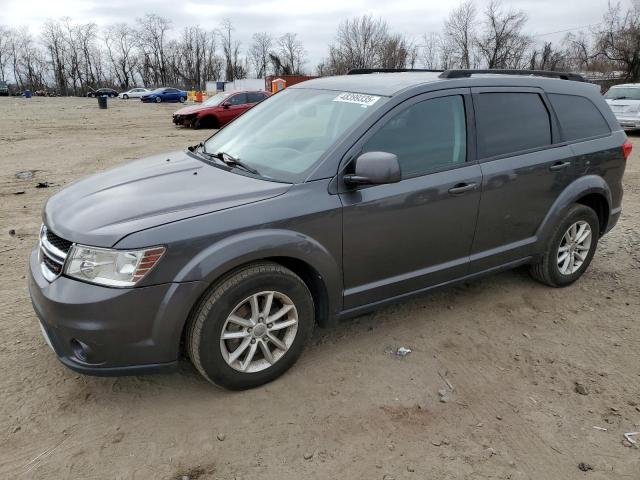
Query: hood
[(103, 208), (191, 109)]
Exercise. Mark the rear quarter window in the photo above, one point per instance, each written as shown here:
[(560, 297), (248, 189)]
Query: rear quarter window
[(579, 118), (510, 122)]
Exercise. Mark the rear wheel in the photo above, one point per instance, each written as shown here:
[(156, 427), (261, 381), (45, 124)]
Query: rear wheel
[(570, 249), (251, 327), (182, 99)]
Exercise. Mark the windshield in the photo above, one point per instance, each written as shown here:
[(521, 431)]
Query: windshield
[(217, 99), (158, 90), (285, 136), (620, 93)]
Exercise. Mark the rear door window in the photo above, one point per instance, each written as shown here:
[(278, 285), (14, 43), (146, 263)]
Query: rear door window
[(579, 117), (255, 97), (510, 122)]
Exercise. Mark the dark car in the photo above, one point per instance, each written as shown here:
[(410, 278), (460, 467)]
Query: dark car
[(4, 89), (165, 95), (220, 109), (332, 198), (109, 92)]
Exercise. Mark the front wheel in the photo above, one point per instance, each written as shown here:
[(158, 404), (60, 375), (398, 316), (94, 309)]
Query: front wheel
[(251, 327), (125, 97), (158, 99), (570, 249)]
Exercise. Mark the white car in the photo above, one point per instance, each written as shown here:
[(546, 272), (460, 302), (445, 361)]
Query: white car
[(624, 101), (134, 93)]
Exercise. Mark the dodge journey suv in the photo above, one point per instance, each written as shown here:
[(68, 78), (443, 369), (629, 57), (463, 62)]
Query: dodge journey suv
[(331, 198)]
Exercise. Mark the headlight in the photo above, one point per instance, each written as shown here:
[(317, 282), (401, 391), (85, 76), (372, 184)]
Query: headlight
[(114, 268)]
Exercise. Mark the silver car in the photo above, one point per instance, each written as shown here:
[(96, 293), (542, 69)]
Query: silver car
[(624, 101), (134, 93)]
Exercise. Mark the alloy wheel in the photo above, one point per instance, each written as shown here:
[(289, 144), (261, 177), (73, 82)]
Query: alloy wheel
[(574, 247), (259, 331)]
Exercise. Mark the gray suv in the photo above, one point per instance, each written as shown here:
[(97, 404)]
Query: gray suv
[(334, 197)]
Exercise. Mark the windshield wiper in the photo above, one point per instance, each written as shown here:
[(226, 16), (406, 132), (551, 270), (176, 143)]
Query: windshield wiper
[(224, 157), (233, 162)]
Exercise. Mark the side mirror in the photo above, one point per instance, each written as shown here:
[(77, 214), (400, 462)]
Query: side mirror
[(375, 168), (225, 105)]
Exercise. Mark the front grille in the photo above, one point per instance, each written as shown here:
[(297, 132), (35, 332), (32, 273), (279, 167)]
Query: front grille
[(55, 267), (59, 243), (53, 253)]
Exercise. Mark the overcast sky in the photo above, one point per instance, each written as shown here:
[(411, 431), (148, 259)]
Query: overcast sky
[(314, 21)]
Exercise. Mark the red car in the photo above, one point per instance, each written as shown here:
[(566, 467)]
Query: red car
[(218, 110)]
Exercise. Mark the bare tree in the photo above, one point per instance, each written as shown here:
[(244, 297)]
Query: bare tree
[(5, 50), (292, 52), (549, 58), (153, 31), (430, 50), (261, 47), (358, 44), (460, 34), (231, 50), (120, 41), (502, 44), (54, 42), (618, 40)]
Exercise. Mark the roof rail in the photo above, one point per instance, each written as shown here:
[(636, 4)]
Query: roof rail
[(363, 71), (534, 73)]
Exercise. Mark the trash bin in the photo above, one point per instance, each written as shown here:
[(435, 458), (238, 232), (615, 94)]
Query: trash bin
[(102, 101)]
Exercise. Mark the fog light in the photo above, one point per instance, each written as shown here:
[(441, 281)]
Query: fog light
[(80, 350)]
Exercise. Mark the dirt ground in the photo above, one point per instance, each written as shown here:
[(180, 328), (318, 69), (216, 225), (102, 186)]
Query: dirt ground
[(506, 352)]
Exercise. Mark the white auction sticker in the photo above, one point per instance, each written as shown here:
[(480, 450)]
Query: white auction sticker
[(357, 98)]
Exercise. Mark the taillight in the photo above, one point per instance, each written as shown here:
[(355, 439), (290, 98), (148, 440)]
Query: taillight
[(627, 146)]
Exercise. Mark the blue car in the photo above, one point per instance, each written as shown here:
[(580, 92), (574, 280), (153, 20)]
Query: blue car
[(165, 95)]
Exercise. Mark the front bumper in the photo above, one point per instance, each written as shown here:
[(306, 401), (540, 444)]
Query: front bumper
[(184, 120), (629, 122), (98, 330)]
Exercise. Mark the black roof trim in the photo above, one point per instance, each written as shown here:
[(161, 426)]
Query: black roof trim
[(364, 71), (535, 73)]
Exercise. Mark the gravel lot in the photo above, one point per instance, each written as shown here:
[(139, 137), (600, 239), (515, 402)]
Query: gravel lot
[(505, 351)]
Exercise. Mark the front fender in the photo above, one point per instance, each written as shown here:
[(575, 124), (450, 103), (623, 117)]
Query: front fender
[(574, 191), (236, 250)]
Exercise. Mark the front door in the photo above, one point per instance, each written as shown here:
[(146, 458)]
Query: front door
[(406, 236), (235, 105)]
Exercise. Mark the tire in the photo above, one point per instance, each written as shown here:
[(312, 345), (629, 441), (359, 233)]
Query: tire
[(125, 97), (214, 357), (158, 99), (548, 269), (182, 99)]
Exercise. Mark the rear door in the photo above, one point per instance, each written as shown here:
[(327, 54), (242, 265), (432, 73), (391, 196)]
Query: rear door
[(525, 167), (406, 236), (254, 97), (172, 94)]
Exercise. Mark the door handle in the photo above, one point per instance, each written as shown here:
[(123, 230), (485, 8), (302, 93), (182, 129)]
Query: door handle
[(462, 188), (559, 166)]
